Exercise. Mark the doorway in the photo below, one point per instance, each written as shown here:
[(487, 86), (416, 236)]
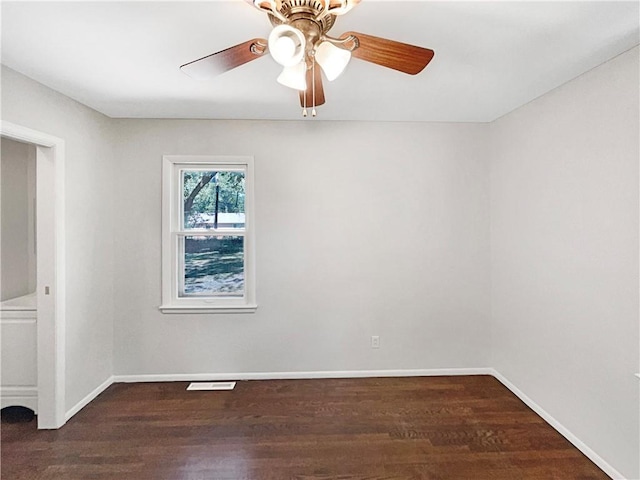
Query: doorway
[(50, 268)]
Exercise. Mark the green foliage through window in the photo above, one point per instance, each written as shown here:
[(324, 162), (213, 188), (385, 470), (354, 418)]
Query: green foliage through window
[(200, 190)]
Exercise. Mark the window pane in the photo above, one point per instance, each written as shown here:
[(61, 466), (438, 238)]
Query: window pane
[(213, 199), (213, 266)]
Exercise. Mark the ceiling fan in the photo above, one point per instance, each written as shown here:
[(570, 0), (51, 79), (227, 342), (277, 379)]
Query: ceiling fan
[(300, 40)]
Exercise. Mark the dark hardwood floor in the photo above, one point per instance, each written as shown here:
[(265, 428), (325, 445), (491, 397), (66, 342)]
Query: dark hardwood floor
[(385, 428)]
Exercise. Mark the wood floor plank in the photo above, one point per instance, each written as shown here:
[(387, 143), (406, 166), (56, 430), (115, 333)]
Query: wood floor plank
[(432, 428)]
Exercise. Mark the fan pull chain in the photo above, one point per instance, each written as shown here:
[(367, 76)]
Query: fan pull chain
[(313, 88), (304, 102)]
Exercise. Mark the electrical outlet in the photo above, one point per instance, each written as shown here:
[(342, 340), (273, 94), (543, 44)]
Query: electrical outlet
[(375, 341)]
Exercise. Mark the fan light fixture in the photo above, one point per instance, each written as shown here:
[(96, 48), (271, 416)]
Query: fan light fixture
[(300, 39), (266, 5), (338, 7), (332, 59), (294, 77), (269, 6), (286, 45)]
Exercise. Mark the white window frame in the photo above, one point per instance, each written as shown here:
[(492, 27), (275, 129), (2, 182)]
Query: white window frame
[(172, 230)]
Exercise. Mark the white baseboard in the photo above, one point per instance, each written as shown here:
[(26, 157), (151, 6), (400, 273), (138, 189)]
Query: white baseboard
[(565, 432), (200, 377), (89, 398), (23, 396)]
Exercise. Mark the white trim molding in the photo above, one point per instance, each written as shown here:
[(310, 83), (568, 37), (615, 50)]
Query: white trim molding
[(190, 310), (27, 135), (216, 377), (175, 235), (51, 298), (89, 398), (561, 429), (24, 396)]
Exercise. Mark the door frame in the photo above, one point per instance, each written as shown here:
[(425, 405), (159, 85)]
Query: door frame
[(50, 261)]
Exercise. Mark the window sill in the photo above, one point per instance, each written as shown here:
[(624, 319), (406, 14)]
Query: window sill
[(208, 309)]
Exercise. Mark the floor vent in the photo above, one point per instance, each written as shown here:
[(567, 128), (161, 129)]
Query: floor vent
[(209, 386)]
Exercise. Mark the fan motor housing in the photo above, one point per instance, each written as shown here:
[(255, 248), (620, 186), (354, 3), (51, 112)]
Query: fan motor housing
[(304, 13)]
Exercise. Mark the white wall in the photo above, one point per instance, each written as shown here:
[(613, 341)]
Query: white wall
[(89, 221), (564, 225), (562, 303), (18, 270), (362, 229)]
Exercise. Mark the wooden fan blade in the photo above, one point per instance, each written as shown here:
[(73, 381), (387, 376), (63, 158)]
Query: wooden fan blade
[(309, 91), (217, 63), (391, 54)]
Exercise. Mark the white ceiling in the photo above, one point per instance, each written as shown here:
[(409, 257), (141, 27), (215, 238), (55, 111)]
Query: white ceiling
[(122, 58)]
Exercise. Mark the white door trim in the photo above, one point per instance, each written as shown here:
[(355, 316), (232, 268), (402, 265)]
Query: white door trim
[(50, 199)]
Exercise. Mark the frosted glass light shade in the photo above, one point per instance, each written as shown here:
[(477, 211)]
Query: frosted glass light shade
[(332, 59), (286, 45), (294, 77)]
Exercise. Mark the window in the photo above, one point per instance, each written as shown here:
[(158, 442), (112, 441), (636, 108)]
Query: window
[(207, 238)]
